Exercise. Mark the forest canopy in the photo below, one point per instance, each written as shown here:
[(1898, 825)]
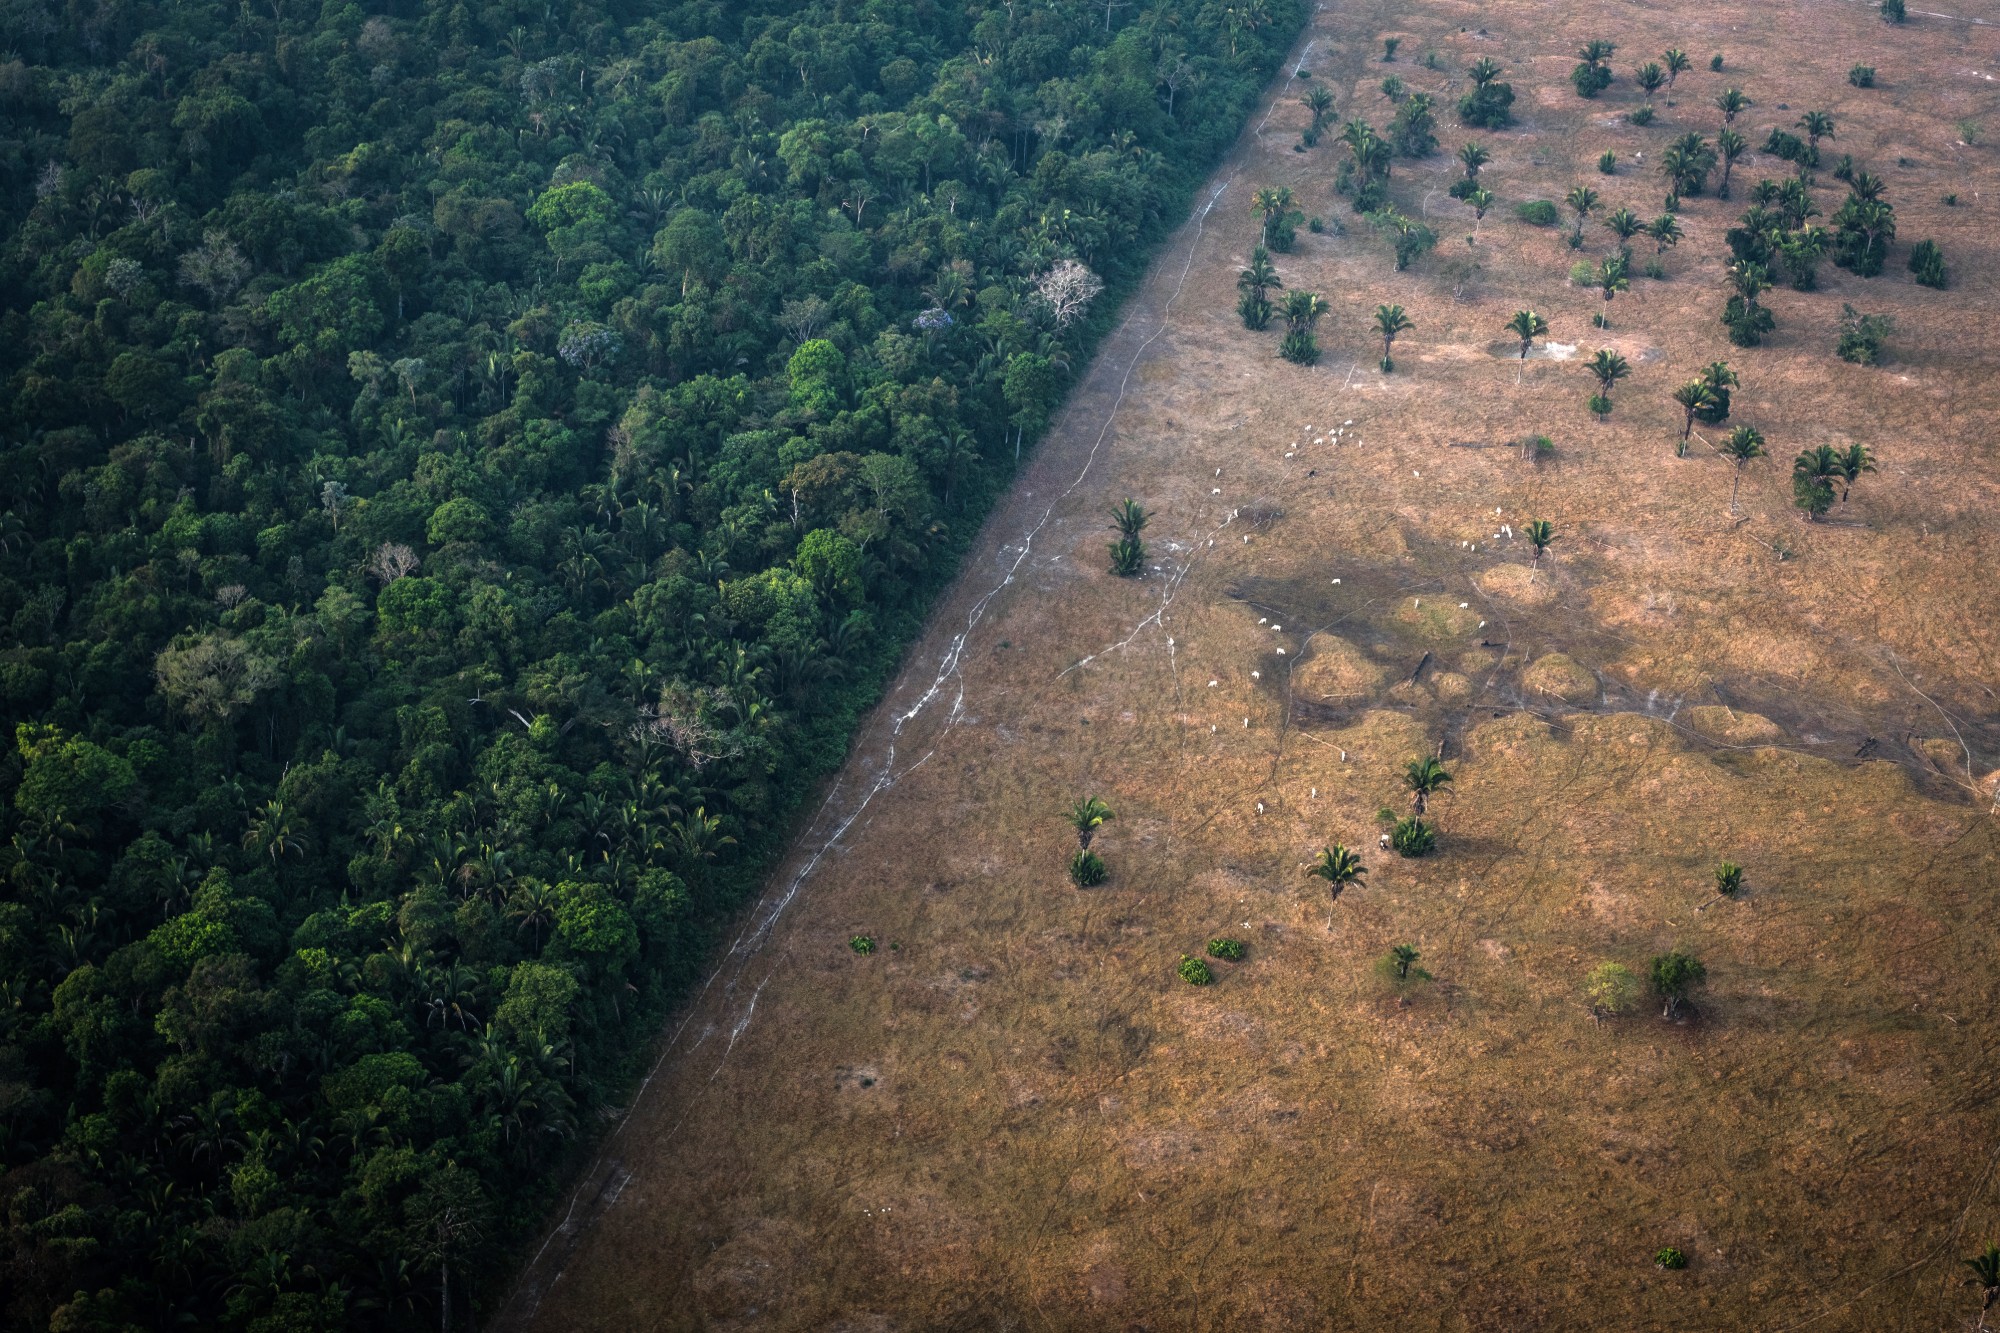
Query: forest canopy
[(465, 470)]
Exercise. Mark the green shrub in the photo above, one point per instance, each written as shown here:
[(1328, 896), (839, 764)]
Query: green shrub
[(1600, 405), (1607, 162), (1640, 115), (1300, 348), (862, 944), (1715, 61), (1399, 967), (1583, 273), (1195, 972), (1927, 262), (1653, 268), (1316, 225), (1862, 336), (1128, 557), (1537, 212), (1413, 837), (1670, 1258), (1893, 11), (1229, 949), (1862, 76), (1087, 869)]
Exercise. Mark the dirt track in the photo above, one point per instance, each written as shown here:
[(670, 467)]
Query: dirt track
[(1013, 1114)]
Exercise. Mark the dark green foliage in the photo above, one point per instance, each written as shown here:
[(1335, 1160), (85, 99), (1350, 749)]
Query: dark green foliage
[(1863, 226), (464, 470), (1862, 336), (1399, 967), (1414, 130), (1413, 837), (1489, 105), (1640, 115), (1728, 879), (862, 944), (1669, 1258), (1537, 212), (1087, 869), (1894, 11), (1862, 76), (1194, 972), (1674, 975), (1232, 950), (1593, 75), (1747, 321), (1607, 162), (1128, 557), (1715, 61), (1389, 45), (1927, 263)]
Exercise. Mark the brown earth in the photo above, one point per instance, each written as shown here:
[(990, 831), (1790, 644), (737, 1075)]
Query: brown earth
[(1015, 1115)]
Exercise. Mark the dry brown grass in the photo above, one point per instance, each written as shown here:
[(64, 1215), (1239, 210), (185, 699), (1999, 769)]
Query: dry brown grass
[(1014, 1115)]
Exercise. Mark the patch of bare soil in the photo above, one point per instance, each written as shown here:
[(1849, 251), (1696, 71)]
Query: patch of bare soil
[(1015, 1114)]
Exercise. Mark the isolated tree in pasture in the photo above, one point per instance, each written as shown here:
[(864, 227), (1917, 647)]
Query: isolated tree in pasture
[(1087, 816), (1612, 991), (1542, 534), (1665, 231), (1390, 323), (1613, 277), (1608, 367), (1731, 103), (1746, 319), (1625, 224), (1692, 397), (1814, 473), (1650, 78), (1728, 879), (1729, 145), (1422, 778), (1720, 379), (1479, 200), (1402, 962), (1674, 976), (1527, 326), (1744, 445), (1473, 156), (1593, 75), (1489, 104), (1985, 1268), (1302, 315), (1854, 460), (1255, 284), (1319, 101), (1274, 204), (1582, 201), (1677, 64), (1340, 868), (1817, 125)]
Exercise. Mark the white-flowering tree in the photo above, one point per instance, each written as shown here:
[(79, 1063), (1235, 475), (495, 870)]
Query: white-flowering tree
[(1067, 290)]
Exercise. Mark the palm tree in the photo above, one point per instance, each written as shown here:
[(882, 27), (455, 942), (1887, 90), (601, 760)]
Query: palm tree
[(1677, 63), (1583, 199), (1480, 200), (1474, 157), (1693, 397), (1273, 201), (1319, 101), (1813, 472), (1985, 1276), (1744, 444), (1817, 125), (1612, 278), (1302, 313), (1720, 379), (1649, 77), (1729, 145), (1389, 322), (1665, 231), (1129, 518), (1527, 326), (1731, 103), (1422, 777), (1728, 879), (1340, 868), (1542, 533), (1853, 462), (1086, 817), (1255, 283), (1401, 958), (1609, 367), (1625, 225)]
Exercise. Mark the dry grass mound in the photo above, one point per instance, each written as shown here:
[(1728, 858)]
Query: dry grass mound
[(1560, 676)]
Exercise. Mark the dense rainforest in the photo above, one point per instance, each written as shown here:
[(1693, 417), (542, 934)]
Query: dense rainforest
[(465, 470)]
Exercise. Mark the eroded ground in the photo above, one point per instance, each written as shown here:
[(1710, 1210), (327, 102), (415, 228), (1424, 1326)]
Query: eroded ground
[(1014, 1115)]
